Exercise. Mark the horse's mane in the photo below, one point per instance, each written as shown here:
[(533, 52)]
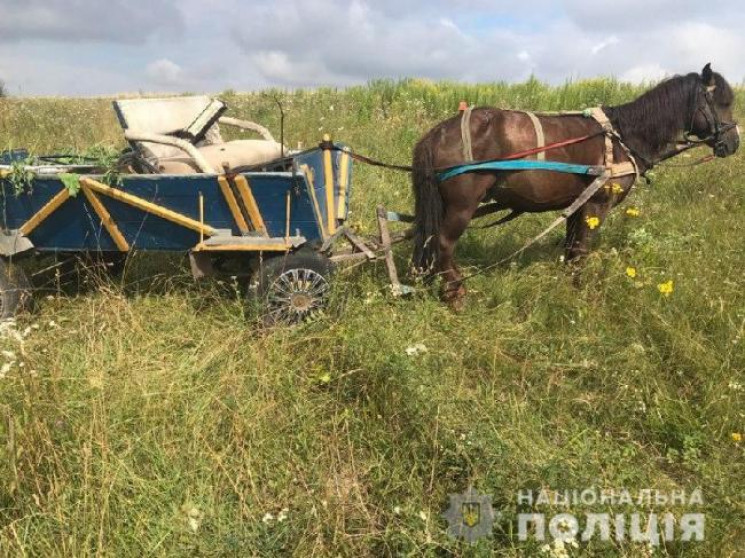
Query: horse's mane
[(664, 111)]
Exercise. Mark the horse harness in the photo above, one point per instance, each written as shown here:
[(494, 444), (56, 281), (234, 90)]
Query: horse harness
[(614, 169)]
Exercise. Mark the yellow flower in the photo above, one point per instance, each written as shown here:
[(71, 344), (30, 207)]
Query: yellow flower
[(633, 212), (616, 188), (592, 222), (666, 288), (631, 272), (736, 437)]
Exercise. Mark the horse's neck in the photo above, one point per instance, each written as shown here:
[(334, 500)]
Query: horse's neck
[(642, 135)]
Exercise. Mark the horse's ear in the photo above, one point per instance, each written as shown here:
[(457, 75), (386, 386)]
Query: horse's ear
[(707, 75)]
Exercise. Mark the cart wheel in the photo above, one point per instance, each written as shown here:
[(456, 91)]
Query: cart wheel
[(294, 286), (15, 290)]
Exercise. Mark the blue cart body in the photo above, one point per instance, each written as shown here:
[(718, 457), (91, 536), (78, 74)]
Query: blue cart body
[(297, 198)]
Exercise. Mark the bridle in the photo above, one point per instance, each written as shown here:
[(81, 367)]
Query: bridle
[(717, 127)]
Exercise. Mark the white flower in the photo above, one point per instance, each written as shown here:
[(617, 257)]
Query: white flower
[(734, 386), (195, 519), (5, 369), (397, 510), (268, 518), (282, 515), (423, 515), (415, 350)]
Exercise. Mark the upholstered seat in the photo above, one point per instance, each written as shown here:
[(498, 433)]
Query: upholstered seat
[(181, 135)]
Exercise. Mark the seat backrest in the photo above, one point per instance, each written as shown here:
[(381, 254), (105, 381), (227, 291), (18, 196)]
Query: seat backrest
[(196, 115)]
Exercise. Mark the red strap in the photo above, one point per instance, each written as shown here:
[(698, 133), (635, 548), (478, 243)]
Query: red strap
[(555, 145)]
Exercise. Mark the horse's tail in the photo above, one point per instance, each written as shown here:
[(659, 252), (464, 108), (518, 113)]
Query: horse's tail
[(428, 207)]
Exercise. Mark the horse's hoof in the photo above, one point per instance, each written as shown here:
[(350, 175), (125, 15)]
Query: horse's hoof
[(455, 298), (457, 305)]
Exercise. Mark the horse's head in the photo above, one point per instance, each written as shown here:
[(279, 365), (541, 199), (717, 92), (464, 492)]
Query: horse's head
[(711, 114)]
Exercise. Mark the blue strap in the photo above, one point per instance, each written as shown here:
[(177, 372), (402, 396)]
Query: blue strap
[(517, 165)]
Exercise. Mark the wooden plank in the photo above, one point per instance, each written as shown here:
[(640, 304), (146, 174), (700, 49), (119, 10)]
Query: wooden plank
[(232, 202), (288, 214), (50, 207), (385, 241), (355, 240), (106, 220), (148, 207), (328, 178), (243, 247), (316, 208), (249, 202), (344, 167)]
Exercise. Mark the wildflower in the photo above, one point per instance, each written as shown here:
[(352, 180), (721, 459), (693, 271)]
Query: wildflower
[(616, 188), (282, 515), (423, 515), (666, 288), (195, 519), (631, 272), (592, 222), (397, 510), (734, 386), (268, 518), (736, 437), (416, 349), (633, 212)]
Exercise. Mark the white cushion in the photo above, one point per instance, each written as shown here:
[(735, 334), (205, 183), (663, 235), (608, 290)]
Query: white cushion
[(238, 153)]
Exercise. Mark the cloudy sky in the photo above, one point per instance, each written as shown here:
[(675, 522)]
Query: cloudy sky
[(98, 47)]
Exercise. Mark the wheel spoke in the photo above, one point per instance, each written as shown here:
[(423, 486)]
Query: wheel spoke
[(296, 294)]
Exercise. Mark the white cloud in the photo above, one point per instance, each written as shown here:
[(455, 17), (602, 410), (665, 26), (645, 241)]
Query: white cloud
[(119, 21), (645, 73), (165, 72), (602, 45), (244, 44)]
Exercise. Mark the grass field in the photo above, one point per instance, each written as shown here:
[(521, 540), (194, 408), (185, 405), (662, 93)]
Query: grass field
[(153, 416)]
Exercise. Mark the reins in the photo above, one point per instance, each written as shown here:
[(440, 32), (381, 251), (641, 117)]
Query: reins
[(510, 157)]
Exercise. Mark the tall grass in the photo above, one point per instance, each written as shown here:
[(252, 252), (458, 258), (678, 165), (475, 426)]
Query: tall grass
[(152, 416)]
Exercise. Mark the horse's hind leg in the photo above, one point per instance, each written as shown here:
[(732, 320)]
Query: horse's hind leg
[(453, 225)]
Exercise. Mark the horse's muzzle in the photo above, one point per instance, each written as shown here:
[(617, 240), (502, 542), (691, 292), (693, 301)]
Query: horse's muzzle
[(728, 143)]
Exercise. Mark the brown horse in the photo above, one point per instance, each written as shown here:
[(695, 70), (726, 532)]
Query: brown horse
[(675, 115)]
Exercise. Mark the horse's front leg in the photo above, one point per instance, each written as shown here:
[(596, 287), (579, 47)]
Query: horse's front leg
[(582, 227)]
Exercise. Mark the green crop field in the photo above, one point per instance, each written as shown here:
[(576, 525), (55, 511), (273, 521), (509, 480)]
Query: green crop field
[(150, 415)]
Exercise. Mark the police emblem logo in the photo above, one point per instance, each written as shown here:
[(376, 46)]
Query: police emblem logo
[(470, 516), (471, 512)]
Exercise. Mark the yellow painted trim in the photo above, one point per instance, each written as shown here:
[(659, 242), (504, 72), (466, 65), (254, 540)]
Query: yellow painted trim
[(148, 207), (316, 208), (106, 220), (288, 214), (328, 179), (254, 214), (201, 216), (344, 165), (229, 196), (242, 248), (49, 208)]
